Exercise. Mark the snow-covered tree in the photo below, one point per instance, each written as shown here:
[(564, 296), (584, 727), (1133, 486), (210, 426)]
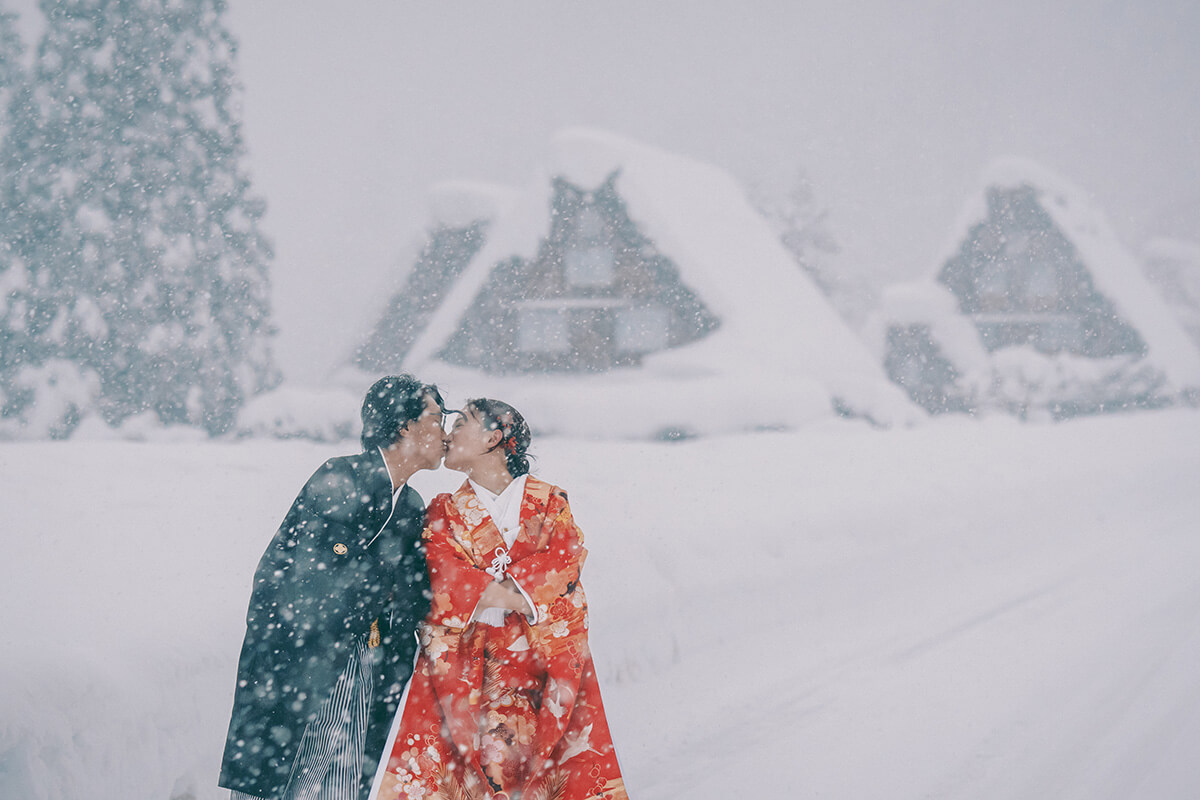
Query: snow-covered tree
[(13, 91), (788, 202), (137, 237), (1174, 267)]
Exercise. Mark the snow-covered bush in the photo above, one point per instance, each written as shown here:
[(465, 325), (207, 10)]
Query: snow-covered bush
[(1032, 385), (323, 415), (47, 401)]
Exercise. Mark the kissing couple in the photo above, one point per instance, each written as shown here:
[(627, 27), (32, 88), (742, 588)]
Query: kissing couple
[(398, 652)]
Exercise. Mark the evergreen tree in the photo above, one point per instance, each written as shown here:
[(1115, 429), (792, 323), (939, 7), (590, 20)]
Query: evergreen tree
[(138, 230), (14, 92)]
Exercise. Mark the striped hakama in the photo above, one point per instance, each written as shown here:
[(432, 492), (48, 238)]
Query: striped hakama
[(329, 761)]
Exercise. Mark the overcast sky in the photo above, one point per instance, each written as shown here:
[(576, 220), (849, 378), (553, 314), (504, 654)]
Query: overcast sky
[(352, 110)]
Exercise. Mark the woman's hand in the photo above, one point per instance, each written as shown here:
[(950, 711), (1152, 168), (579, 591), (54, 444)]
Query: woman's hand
[(521, 605), (504, 595)]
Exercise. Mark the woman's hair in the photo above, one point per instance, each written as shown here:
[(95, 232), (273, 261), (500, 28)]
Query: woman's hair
[(391, 403), (497, 415)]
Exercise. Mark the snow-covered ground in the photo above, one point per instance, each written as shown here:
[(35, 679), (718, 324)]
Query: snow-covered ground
[(961, 610)]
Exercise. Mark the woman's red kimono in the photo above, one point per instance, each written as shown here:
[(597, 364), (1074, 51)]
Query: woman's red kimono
[(510, 711)]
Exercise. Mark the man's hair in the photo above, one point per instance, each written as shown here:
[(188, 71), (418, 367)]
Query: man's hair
[(391, 403)]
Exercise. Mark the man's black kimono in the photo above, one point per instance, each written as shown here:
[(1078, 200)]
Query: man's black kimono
[(342, 559)]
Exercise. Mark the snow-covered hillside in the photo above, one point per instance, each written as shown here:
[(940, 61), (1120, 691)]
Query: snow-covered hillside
[(962, 610)]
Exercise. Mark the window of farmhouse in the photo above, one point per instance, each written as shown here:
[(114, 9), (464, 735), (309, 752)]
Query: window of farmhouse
[(641, 330), (589, 267), (1041, 286), (543, 330), (991, 287)]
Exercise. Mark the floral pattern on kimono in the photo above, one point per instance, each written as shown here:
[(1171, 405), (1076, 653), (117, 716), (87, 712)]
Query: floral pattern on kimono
[(504, 711)]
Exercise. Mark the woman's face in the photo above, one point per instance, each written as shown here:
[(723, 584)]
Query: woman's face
[(469, 441)]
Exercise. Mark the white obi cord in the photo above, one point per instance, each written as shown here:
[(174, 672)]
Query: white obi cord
[(505, 511)]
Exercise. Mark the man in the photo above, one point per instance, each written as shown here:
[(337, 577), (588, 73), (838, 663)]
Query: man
[(330, 639)]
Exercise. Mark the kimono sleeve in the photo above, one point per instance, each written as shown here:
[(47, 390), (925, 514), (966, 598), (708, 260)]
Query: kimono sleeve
[(456, 582), (299, 617), (315, 601), (552, 571)]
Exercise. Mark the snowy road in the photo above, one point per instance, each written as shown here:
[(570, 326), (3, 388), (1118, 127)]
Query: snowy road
[(1002, 613), (964, 610)]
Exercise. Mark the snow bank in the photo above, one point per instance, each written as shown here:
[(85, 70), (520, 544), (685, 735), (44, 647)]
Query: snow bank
[(976, 610)]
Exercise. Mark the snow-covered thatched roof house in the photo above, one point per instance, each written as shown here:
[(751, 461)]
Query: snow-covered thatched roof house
[(632, 292), (1036, 307)]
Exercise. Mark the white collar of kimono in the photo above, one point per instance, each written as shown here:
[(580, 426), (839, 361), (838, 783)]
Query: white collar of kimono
[(503, 508)]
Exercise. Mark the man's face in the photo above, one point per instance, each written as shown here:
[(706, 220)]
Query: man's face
[(425, 437)]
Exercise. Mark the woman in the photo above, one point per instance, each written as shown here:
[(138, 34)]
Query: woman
[(504, 701)]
